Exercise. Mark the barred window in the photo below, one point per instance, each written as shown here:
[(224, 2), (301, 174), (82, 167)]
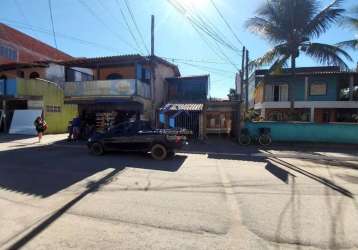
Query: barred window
[(53, 109)]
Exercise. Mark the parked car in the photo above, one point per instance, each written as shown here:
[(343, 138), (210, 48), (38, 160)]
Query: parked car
[(138, 136)]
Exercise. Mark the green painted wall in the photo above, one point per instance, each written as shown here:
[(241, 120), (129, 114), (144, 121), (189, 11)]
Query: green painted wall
[(51, 95), (308, 132)]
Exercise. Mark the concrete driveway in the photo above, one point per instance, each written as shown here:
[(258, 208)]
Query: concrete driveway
[(213, 196)]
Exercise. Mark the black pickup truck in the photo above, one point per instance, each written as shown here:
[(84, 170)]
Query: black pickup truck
[(138, 136)]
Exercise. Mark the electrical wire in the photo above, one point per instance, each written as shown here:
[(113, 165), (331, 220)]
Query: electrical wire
[(64, 36), (226, 22), (94, 14), (196, 60), (53, 26), (218, 51), (129, 27), (201, 24), (136, 25)]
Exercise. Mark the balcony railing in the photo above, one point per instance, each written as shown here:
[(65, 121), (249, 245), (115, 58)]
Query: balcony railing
[(112, 88)]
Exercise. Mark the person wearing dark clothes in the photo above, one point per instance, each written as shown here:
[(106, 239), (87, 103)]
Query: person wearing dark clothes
[(40, 126), (76, 128)]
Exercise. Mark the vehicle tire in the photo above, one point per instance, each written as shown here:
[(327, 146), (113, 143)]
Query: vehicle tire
[(159, 152), (245, 140), (265, 140), (97, 149)]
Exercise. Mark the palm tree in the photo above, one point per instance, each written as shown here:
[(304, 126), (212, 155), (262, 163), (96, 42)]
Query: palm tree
[(351, 21), (291, 25)]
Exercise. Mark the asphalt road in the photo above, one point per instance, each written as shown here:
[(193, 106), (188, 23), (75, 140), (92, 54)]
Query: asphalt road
[(218, 196)]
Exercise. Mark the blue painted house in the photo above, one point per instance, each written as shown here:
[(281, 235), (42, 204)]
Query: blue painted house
[(321, 94)]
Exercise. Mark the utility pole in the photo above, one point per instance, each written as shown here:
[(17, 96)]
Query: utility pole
[(152, 65), (242, 73), (239, 97), (247, 82), (152, 35)]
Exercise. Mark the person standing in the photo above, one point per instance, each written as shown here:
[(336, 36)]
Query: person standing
[(40, 126)]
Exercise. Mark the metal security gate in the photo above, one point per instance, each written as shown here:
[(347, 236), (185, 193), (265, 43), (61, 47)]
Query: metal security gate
[(188, 120)]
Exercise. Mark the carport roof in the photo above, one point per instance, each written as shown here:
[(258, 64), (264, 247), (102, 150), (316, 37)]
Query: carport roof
[(183, 106)]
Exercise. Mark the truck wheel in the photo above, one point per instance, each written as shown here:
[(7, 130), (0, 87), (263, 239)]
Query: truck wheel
[(97, 149), (159, 152)]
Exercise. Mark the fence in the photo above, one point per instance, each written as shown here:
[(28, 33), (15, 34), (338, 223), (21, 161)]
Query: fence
[(308, 132)]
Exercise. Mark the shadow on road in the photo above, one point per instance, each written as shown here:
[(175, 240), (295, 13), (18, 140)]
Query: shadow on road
[(317, 178), (278, 172), (57, 214), (44, 171)]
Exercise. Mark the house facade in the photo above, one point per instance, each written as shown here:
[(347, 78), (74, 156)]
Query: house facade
[(17, 47), (321, 94), (188, 107), (119, 88)]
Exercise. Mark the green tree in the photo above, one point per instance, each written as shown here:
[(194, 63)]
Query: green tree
[(352, 22), (291, 25)]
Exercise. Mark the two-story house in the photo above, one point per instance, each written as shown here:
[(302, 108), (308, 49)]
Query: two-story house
[(188, 107), (321, 94), (121, 87)]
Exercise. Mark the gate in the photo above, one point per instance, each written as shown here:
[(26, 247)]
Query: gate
[(187, 120)]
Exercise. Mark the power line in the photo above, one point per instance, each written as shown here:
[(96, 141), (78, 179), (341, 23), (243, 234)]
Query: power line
[(94, 14), (226, 22), (128, 26), (115, 17), (220, 53), (136, 26), (202, 25), (196, 60), (199, 30), (209, 69), (53, 26), (64, 36)]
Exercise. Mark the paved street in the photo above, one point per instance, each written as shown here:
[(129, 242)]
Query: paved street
[(217, 195)]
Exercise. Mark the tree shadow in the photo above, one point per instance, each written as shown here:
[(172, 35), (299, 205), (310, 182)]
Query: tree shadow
[(46, 170)]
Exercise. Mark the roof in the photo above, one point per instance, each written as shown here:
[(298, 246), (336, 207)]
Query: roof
[(117, 60), (183, 107), (29, 48), (14, 65), (303, 70), (105, 60), (206, 77)]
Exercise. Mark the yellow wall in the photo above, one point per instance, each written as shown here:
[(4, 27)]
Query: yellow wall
[(51, 95)]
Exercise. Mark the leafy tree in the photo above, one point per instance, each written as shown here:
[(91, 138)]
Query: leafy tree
[(352, 22), (290, 25)]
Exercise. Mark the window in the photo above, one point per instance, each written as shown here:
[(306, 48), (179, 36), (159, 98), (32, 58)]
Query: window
[(318, 89), (53, 109), (34, 75), (114, 76), (276, 92), (8, 52)]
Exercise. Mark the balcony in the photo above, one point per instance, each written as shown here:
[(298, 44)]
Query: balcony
[(107, 88)]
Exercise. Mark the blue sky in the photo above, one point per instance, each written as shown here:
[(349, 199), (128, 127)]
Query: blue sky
[(84, 34)]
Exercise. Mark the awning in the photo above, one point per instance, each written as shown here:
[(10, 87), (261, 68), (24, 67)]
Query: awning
[(182, 107)]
